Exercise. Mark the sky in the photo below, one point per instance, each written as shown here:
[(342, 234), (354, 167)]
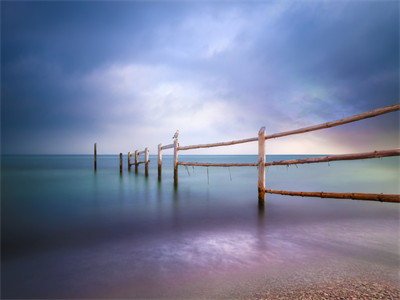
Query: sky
[(128, 74)]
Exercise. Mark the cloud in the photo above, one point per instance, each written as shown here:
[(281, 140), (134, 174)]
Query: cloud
[(129, 74)]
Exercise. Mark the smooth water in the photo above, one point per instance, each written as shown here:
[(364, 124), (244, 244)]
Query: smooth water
[(70, 232)]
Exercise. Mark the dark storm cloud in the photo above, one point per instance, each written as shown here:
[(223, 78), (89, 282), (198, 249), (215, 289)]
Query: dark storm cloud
[(74, 72)]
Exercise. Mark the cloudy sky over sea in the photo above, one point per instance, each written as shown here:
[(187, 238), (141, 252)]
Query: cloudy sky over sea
[(128, 74)]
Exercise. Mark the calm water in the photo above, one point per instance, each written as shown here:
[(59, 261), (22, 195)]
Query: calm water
[(70, 232)]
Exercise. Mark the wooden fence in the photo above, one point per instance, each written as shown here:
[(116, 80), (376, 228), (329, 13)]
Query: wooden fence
[(261, 164), (137, 162)]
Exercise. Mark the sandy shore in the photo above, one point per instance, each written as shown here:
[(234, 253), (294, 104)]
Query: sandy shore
[(340, 289), (326, 281)]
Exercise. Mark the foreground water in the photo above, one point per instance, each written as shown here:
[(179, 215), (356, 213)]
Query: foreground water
[(69, 232)]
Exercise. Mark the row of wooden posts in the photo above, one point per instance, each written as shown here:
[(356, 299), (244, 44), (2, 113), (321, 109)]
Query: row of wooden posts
[(146, 160), (261, 164), (137, 162)]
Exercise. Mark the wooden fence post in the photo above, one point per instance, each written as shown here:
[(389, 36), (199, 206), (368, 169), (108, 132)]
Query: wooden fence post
[(129, 161), (261, 166), (95, 156), (120, 163), (146, 159), (176, 162), (159, 161), (136, 161)]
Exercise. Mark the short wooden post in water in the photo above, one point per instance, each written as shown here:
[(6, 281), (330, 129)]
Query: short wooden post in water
[(261, 166), (95, 156), (129, 161), (176, 144), (136, 161), (159, 161), (120, 163), (146, 159)]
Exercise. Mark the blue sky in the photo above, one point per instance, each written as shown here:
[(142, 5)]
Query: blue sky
[(128, 74)]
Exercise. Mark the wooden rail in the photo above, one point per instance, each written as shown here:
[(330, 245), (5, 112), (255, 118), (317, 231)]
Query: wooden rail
[(181, 163), (354, 196), (366, 115), (218, 144), (170, 146), (374, 154)]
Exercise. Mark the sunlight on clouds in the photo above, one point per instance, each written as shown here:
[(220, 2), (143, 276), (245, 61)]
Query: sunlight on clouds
[(144, 103)]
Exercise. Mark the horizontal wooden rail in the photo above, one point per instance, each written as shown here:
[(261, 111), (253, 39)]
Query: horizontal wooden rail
[(365, 115), (217, 164), (138, 163), (142, 152), (375, 154), (167, 146), (354, 196), (218, 144)]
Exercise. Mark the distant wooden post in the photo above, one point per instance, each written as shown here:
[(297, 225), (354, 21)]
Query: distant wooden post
[(176, 144), (146, 159), (261, 166), (136, 161), (159, 161), (120, 163), (129, 161), (95, 156)]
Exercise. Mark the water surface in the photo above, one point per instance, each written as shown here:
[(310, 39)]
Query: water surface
[(70, 232)]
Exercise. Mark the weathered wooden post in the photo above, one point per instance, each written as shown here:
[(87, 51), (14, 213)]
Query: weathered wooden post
[(120, 163), (95, 156), (146, 159), (261, 166), (136, 161), (176, 162), (159, 161), (129, 161)]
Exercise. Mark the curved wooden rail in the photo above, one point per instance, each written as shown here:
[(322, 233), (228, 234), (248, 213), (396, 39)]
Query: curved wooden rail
[(365, 115)]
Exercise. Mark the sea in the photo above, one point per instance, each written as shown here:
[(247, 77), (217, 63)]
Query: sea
[(70, 232)]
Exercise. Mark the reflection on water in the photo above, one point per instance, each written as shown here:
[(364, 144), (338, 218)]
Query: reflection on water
[(70, 232)]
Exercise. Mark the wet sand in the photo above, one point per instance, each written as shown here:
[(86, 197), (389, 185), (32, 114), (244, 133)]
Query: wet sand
[(323, 282), (334, 285)]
